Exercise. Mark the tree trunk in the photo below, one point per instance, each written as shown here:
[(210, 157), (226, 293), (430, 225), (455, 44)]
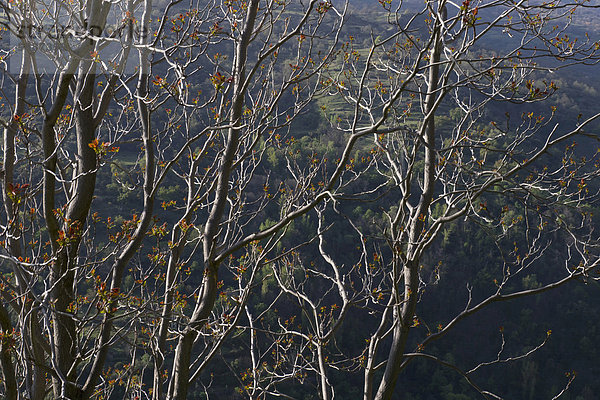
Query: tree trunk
[(180, 380), (404, 309)]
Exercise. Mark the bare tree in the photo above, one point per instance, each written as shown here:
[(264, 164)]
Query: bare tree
[(186, 106), (209, 96), (433, 176)]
